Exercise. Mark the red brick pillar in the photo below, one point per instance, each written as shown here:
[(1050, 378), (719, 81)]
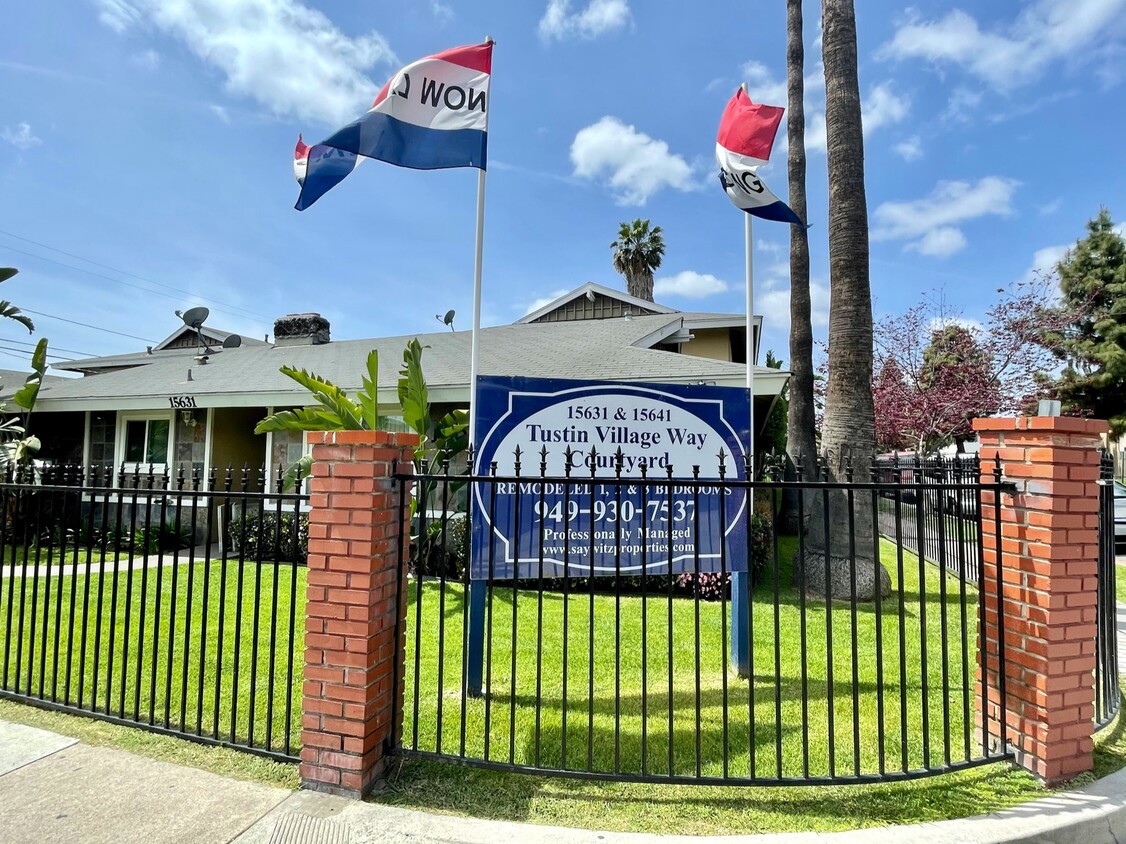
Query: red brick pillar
[(357, 555), (1049, 568)]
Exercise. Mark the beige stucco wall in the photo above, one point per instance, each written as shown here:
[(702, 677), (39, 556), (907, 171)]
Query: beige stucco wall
[(714, 343)]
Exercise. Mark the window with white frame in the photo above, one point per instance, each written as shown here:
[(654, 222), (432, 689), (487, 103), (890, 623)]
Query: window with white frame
[(144, 438)]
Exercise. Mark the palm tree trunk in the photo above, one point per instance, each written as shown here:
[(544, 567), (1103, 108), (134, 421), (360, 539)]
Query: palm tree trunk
[(800, 444), (848, 438)]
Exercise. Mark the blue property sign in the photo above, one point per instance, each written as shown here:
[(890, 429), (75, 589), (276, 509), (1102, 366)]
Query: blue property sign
[(604, 520)]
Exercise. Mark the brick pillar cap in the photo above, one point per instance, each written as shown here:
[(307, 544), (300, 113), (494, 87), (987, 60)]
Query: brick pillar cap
[(384, 438), (1062, 424)]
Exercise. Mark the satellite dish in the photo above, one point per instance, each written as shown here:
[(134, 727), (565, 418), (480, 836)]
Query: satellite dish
[(194, 317), (7, 272), (447, 320), (233, 341)]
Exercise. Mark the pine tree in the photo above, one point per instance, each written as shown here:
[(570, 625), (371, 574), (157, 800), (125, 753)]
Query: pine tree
[(1093, 279)]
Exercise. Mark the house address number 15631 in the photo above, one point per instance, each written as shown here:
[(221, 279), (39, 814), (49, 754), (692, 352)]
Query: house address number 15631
[(181, 401)]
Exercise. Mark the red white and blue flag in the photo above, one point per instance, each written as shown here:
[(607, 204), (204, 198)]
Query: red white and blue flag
[(431, 115), (743, 144)]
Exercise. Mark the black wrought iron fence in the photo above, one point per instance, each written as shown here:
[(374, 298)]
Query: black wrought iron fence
[(932, 506), (654, 628), (174, 602), (1108, 695)]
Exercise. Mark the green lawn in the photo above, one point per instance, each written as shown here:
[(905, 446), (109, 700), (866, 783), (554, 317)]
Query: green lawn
[(616, 733), (155, 640), (593, 720), (621, 736)]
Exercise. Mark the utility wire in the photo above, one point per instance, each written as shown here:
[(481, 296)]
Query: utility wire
[(88, 325), (56, 348), (123, 272), (25, 353), (116, 280)]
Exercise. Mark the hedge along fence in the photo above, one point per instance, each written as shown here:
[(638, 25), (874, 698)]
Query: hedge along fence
[(266, 536)]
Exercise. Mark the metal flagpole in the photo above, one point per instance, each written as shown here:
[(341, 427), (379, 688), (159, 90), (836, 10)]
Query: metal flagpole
[(741, 580), (475, 340), (475, 646)]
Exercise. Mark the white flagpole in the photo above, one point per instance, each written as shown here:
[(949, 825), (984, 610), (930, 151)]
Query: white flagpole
[(750, 335), (475, 644), (475, 339), (750, 327)]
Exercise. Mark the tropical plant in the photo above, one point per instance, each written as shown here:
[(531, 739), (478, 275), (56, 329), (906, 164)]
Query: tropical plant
[(7, 309), (637, 253), (440, 442), (13, 446)]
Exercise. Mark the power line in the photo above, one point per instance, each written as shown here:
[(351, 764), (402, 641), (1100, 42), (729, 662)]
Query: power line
[(124, 272), (23, 353), (56, 348), (88, 325), (117, 280)]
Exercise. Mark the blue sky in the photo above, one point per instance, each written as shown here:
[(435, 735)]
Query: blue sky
[(147, 157)]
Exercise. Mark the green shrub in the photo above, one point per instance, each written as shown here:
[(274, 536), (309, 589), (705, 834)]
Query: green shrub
[(258, 537)]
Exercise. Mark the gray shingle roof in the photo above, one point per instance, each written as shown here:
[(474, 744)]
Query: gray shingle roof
[(602, 350)]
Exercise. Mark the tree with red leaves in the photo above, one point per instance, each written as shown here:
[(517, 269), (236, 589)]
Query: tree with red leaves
[(936, 371)]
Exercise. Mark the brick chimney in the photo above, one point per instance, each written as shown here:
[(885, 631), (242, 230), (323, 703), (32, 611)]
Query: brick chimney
[(301, 330)]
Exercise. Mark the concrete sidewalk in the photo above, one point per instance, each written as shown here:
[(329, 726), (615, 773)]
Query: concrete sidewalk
[(54, 788)]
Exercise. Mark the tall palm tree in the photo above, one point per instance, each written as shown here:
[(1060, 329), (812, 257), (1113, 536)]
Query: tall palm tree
[(637, 252), (848, 438), (800, 422)]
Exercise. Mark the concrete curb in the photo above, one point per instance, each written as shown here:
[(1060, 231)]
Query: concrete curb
[(1095, 813)]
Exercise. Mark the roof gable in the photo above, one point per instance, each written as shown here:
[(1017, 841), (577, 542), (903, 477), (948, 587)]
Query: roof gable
[(593, 301)]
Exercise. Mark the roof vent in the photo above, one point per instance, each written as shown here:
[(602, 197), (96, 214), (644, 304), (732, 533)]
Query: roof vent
[(301, 330)]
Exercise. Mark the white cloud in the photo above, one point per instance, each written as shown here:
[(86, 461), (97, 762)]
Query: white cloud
[(146, 60), (930, 224), (21, 137), (762, 86), (771, 247), (442, 12), (941, 242), (598, 18), (815, 132), (118, 15), (883, 106), (544, 301), (1050, 207), (1017, 54), (287, 56), (634, 165), (220, 112), (689, 284), (961, 105), (773, 305), (1044, 261), (910, 149)]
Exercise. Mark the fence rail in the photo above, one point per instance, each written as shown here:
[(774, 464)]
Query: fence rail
[(170, 602), (632, 676), (931, 507), (1108, 695)]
